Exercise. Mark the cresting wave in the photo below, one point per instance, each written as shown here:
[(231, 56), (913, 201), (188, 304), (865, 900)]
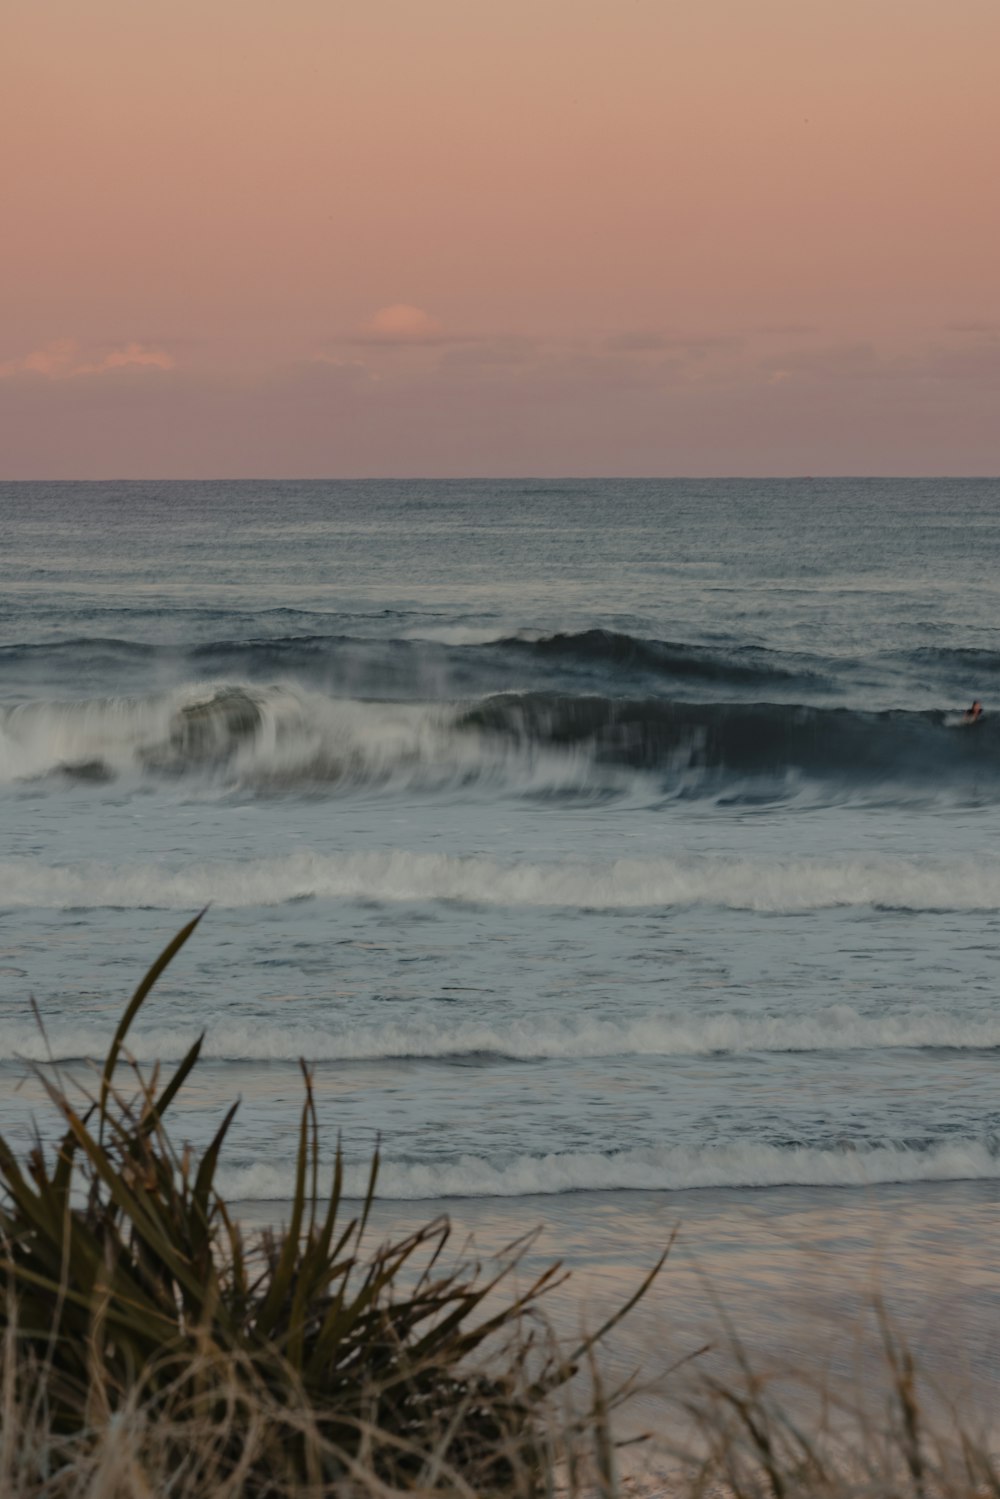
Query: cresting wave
[(659, 1169), (286, 737), (625, 884), (241, 735), (279, 737), (525, 1039)]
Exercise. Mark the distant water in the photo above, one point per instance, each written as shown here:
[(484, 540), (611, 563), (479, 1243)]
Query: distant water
[(586, 836)]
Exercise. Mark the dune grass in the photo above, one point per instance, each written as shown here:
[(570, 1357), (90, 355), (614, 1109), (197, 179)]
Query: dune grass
[(300, 1362)]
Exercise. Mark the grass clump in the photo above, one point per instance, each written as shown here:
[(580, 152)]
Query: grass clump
[(146, 1347)]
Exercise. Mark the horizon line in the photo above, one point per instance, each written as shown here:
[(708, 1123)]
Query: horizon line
[(484, 478)]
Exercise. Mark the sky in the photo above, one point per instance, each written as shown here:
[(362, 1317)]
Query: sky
[(311, 238)]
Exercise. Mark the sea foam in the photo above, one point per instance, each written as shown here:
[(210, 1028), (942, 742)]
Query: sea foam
[(393, 875)]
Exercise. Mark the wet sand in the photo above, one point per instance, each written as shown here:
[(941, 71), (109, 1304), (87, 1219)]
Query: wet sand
[(792, 1271)]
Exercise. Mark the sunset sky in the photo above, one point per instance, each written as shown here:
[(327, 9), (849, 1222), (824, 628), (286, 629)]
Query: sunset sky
[(405, 237)]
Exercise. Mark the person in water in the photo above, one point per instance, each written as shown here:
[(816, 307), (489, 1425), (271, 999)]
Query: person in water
[(973, 714)]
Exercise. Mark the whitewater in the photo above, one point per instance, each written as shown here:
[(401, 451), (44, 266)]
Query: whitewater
[(805, 884), (591, 841)]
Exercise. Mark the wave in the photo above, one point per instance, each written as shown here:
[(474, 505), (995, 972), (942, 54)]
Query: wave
[(271, 736), (392, 875), (403, 654), (287, 737), (657, 1169), (525, 1039), (737, 664), (983, 662), (769, 740), (372, 664)]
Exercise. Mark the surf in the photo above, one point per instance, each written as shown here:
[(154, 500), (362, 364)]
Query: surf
[(651, 1169), (396, 875), (524, 1038)]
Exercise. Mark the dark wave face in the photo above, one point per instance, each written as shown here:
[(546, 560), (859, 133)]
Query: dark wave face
[(752, 739)]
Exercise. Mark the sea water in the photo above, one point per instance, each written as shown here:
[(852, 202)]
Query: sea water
[(611, 851)]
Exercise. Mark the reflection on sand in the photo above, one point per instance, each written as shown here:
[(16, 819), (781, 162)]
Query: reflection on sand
[(793, 1272)]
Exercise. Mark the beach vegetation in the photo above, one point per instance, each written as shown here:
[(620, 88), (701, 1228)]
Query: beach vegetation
[(303, 1360)]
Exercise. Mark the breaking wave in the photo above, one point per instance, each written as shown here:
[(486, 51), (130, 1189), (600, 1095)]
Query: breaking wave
[(278, 736), (802, 884), (524, 1039), (287, 737), (658, 1168)]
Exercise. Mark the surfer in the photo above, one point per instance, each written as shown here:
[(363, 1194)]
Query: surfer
[(973, 714)]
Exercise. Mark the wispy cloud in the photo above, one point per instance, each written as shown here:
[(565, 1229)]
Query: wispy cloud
[(978, 362), (63, 359)]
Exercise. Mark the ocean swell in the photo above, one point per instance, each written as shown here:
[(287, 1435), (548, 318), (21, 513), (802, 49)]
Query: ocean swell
[(372, 663)]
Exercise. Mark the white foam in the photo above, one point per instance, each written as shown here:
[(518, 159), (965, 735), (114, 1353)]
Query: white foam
[(282, 735), (529, 1038), (662, 1169), (294, 728), (38, 738), (394, 875)]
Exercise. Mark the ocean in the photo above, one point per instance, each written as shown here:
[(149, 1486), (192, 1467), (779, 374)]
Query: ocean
[(613, 851)]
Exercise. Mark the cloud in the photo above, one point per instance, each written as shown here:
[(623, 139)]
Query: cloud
[(131, 355), (566, 408), (401, 324), (63, 359), (978, 363), (835, 362)]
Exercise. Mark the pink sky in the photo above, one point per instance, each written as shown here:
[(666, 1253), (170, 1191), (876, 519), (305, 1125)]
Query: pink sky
[(344, 237)]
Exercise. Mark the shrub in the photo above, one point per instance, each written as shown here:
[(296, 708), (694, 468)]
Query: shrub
[(300, 1360)]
